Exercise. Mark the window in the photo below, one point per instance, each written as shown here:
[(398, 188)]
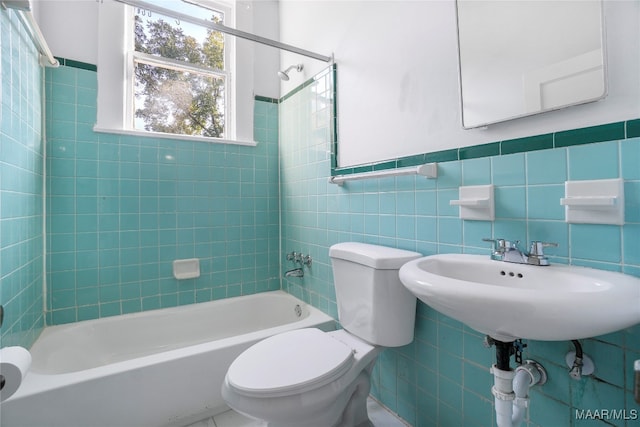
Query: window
[(178, 75), (162, 77)]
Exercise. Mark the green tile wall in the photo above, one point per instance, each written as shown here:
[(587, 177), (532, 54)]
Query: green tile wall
[(442, 378), (122, 208), (21, 169)]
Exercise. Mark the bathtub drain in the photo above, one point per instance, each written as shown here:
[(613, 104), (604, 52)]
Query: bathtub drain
[(298, 310)]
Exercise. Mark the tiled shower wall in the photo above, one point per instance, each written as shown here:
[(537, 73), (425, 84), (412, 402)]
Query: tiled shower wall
[(21, 183), (121, 208), (442, 378)]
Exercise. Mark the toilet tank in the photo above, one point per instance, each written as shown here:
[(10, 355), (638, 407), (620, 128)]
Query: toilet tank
[(372, 302)]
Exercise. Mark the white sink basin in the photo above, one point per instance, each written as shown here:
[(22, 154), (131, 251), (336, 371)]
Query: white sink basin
[(509, 301)]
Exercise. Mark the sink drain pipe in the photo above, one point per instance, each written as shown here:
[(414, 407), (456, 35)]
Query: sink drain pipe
[(511, 387)]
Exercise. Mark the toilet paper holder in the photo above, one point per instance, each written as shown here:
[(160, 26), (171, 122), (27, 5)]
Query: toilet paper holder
[(15, 362)]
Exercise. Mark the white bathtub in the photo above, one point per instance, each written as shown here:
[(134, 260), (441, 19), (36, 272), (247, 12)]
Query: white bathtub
[(156, 368)]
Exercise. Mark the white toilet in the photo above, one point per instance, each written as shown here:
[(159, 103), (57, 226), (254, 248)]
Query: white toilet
[(312, 378)]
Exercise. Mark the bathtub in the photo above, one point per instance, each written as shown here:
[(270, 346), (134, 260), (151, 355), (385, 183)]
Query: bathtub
[(156, 368)]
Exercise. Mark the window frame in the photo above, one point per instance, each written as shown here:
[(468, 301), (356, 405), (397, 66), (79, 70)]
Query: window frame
[(132, 56), (113, 17)]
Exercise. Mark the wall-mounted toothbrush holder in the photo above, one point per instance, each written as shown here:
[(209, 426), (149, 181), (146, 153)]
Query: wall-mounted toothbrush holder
[(594, 201), (298, 257), (476, 202)]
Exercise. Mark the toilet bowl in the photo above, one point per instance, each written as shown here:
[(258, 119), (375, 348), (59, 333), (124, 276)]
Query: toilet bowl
[(312, 378), (300, 378)]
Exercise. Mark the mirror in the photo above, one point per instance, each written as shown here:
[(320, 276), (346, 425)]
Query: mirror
[(526, 57)]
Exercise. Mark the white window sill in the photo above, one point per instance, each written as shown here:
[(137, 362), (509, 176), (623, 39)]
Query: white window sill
[(149, 134)]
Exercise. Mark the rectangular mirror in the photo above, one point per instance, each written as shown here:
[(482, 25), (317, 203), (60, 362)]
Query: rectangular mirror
[(518, 58)]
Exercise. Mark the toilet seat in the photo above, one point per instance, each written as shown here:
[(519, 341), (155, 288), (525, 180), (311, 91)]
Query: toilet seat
[(289, 363)]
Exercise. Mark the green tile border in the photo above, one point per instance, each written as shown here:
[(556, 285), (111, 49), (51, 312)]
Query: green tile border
[(334, 119), (531, 143), (608, 132), (477, 151), (411, 161), (588, 135), (392, 164), (266, 99), (633, 128), (77, 64), (442, 156)]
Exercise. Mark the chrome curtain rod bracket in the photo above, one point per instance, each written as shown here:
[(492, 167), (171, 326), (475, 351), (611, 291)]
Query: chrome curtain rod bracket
[(226, 30), (23, 11)]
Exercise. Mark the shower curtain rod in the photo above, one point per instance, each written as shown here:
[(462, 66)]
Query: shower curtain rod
[(23, 11), (226, 30)]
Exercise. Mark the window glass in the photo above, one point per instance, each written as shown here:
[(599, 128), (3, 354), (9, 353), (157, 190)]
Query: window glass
[(174, 101), (179, 72)]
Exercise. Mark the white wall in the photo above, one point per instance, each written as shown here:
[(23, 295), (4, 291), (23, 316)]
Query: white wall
[(261, 18), (398, 92), (70, 28)]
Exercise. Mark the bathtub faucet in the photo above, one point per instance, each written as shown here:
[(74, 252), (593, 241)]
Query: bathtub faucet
[(296, 272)]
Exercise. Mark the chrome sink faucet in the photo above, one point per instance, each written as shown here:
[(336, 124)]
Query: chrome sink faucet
[(508, 251)]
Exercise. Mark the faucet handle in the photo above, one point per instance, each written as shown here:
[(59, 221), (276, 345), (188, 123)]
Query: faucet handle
[(306, 260), (499, 245), (536, 248), (536, 252)]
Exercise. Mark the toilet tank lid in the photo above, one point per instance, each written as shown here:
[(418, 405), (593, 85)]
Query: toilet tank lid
[(374, 256)]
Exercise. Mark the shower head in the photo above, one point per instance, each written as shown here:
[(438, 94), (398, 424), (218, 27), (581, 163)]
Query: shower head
[(284, 75)]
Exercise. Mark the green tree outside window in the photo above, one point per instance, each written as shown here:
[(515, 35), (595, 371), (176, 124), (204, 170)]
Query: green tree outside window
[(173, 100)]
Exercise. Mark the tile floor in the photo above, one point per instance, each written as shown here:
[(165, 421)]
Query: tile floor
[(379, 416)]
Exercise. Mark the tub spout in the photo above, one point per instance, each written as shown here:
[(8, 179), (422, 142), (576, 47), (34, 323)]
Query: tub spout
[(296, 272)]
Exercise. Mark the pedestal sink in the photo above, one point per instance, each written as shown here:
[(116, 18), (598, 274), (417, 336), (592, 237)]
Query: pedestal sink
[(508, 301)]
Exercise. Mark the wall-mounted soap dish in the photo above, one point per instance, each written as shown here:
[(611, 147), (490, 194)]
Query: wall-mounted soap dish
[(594, 201), (476, 202), (186, 268)]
